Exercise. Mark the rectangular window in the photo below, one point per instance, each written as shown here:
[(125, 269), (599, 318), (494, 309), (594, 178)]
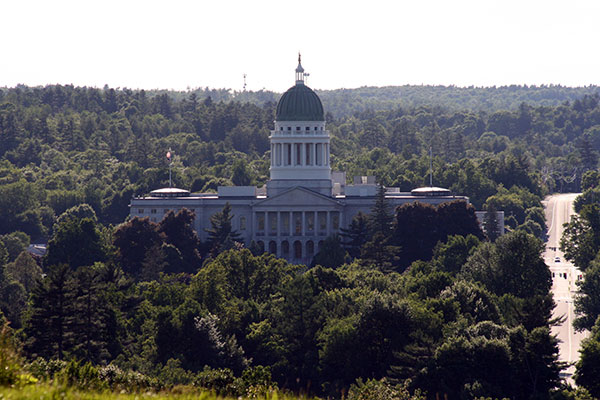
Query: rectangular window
[(335, 220), (310, 221), (285, 223), (242, 223), (322, 216), (278, 153), (260, 220), (298, 147), (140, 210), (298, 223), (307, 150), (273, 223), (153, 211), (319, 154), (288, 154)]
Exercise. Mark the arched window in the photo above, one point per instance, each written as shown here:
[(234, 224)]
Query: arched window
[(261, 246), (273, 247), (285, 249), (310, 248), (320, 245), (297, 249)]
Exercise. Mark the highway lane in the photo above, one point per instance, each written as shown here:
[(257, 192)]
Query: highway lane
[(559, 209)]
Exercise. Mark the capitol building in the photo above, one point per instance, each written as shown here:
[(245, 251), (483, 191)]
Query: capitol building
[(303, 203)]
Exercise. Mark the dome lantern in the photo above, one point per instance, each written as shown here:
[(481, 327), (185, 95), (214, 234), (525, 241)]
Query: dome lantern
[(299, 72), (300, 103)]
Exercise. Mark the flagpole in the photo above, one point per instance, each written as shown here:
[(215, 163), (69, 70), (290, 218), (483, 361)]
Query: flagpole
[(170, 162)]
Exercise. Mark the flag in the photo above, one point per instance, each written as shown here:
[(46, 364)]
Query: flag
[(169, 155)]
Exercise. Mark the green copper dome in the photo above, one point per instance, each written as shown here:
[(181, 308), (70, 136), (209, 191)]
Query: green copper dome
[(300, 103)]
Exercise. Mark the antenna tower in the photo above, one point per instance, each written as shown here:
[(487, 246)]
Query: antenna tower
[(430, 166)]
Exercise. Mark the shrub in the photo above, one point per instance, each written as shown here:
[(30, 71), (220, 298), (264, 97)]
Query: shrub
[(45, 369), (84, 376), (257, 381), (173, 374), (221, 381), (10, 360), (381, 390), (131, 381)]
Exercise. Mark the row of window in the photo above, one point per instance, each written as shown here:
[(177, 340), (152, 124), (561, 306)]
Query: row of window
[(299, 154), (297, 223), (299, 252), (298, 128), (165, 210)]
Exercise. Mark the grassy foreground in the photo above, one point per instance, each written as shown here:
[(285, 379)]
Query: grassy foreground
[(45, 391)]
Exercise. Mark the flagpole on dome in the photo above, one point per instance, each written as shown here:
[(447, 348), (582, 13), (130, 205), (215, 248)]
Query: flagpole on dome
[(169, 158)]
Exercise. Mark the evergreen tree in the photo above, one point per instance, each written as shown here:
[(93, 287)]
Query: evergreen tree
[(48, 328), (221, 235), (589, 157), (381, 252), (490, 223), (331, 254), (89, 315), (356, 235), (381, 218)]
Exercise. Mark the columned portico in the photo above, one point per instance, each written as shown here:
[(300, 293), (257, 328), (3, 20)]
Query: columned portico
[(299, 142), (301, 207)]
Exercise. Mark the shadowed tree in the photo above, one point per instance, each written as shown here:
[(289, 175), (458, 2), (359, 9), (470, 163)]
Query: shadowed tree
[(50, 316), (356, 235), (221, 235), (133, 240), (178, 231), (76, 242)]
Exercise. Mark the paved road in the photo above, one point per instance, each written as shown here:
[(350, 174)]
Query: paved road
[(559, 209)]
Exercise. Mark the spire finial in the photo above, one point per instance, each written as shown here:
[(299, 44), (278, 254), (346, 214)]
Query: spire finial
[(299, 72)]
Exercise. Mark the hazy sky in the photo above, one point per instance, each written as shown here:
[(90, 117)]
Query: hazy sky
[(180, 44)]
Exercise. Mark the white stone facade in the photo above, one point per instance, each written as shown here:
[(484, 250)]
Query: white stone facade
[(302, 206)]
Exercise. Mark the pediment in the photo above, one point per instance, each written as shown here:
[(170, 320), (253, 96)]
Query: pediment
[(298, 197)]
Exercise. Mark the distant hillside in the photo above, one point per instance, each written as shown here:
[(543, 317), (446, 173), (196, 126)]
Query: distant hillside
[(344, 102)]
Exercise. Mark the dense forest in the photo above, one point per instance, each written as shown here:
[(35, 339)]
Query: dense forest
[(389, 304), (346, 102)]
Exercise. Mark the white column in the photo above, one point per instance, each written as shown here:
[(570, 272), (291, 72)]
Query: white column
[(302, 154), (303, 224)]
